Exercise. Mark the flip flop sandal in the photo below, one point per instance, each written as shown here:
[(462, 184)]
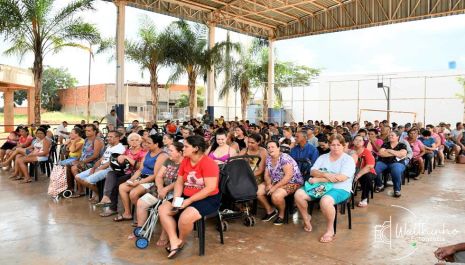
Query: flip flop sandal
[(331, 239), (19, 178), (175, 252), (102, 204), (26, 181), (108, 213), (307, 230), (121, 218)]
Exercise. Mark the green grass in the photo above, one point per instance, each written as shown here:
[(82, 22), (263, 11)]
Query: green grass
[(54, 117)]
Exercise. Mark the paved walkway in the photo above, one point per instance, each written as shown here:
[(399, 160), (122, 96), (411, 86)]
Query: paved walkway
[(37, 230)]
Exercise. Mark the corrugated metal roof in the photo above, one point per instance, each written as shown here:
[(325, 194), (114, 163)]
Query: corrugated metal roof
[(282, 19)]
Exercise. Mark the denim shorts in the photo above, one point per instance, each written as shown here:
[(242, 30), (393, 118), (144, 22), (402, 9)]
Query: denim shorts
[(94, 178), (67, 162), (449, 144), (338, 195)]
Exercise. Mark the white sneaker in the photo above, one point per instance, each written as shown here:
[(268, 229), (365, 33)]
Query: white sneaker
[(389, 183)]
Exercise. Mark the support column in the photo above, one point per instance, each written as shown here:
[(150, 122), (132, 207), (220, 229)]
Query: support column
[(120, 27), (211, 75), (30, 105), (8, 105), (270, 91)]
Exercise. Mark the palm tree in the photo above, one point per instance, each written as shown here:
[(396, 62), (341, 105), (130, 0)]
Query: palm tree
[(189, 54), (237, 73), (150, 53), (30, 26), (285, 74)]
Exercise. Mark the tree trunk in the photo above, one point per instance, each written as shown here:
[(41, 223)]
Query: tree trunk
[(37, 71), (154, 90), (244, 99), (265, 103), (192, 93)]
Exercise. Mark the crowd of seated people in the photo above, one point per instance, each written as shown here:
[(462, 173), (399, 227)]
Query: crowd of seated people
[(184, 159), (24, 147)]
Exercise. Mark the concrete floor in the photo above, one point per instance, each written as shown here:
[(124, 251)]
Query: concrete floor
[(37, 230)]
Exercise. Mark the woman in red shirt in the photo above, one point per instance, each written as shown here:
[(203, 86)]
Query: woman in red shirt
[(198, 184), (365, 169)]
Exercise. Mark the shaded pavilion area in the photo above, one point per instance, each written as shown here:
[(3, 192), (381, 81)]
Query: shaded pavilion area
[(275, 20), (12, 79), (37, 230)]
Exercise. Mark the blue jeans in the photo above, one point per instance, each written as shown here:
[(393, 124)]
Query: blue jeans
[(93, 178), (395, 169), (67, 162)]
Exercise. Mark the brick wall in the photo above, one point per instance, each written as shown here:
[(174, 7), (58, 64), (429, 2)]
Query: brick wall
[(23, 110), (103, 98), (20, 110), (78, 96)]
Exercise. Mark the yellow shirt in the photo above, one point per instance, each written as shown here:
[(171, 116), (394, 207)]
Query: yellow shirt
[(78, 153)]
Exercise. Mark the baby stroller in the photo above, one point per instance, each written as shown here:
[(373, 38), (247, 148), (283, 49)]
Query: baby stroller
[(144, 233), (241, 189)]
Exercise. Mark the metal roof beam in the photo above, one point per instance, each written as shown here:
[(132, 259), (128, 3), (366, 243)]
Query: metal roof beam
[(173, 8), (248, 12), (266, 9), (298, 8)]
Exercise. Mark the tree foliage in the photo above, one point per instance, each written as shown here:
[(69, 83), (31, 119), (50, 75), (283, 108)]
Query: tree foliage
[(249, 68), (461, 96), (190, 55), (33, 26), (183, 100), (53, 80)]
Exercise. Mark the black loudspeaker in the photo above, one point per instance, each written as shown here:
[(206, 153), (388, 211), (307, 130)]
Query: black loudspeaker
[(380, 85), (120, 114)]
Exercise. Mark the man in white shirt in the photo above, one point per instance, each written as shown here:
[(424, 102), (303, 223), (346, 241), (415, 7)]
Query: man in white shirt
[(457, 131), (98, 172), (62, 132)]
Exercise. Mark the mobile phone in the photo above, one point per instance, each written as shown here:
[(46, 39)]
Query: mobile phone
[(177, 202)]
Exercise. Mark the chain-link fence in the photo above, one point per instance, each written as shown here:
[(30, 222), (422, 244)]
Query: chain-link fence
[(144, 113), (431, 96)]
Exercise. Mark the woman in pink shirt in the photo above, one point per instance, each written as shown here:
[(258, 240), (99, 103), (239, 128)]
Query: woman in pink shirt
[(418, 149), (376, 143)]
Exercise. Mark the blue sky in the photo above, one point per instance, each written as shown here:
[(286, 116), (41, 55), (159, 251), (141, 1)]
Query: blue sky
[(414, 46)]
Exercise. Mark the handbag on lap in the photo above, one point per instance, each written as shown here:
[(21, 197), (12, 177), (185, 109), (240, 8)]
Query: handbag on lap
[(317, 190)]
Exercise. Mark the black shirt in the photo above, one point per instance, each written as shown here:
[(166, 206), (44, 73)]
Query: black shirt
[(392, 159), (319, 136)]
